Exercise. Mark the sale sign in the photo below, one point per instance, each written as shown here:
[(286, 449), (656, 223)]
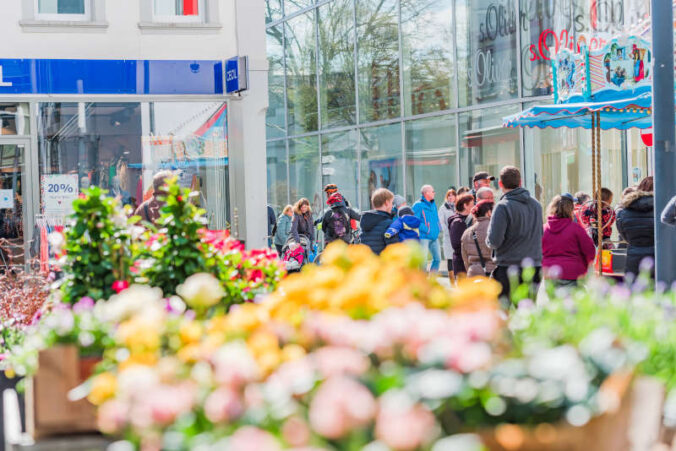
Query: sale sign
[(58, 193)]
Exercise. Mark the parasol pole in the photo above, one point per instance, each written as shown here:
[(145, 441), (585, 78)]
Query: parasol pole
[(593, 160), (599, 205)]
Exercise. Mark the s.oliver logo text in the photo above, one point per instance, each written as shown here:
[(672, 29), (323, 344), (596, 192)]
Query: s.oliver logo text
[(563, 39)]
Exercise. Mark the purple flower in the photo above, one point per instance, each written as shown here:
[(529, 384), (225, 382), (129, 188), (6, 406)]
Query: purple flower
[(84, 304)]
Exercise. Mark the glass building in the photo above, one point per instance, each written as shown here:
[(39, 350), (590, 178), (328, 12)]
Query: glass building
[(401, 93)]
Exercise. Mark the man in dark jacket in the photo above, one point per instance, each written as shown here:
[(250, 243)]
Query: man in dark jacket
[(374, 223), (272, 222), (515, 231), (336, 221)]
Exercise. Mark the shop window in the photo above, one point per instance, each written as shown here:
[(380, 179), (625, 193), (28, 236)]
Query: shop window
[(273, 10), (485, 145), (427, 54), (69, 10), (301, 74), (276, 165), (305, 172), (290, 6), (431, 155), (14, 119), (178, 11), (336, 64), (275, 116), (378, 60), (339, 164), (380, 161)]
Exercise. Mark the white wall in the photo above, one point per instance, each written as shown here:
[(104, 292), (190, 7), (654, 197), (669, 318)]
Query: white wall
[(122, 38)]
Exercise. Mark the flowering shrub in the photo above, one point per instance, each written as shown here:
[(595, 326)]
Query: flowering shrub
[(98, 247)]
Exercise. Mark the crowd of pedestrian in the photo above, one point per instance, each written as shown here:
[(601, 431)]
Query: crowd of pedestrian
[(485, 236)]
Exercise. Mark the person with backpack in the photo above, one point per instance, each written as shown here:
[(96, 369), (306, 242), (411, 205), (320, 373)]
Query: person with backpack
[(565, 245), (406, 226), (426, 211), (336, 223), (283, 228), (476, 256)]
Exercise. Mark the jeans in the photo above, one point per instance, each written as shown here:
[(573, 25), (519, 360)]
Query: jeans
[(433, 247)]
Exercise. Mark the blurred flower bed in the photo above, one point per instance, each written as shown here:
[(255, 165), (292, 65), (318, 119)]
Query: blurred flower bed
[(205, 345)]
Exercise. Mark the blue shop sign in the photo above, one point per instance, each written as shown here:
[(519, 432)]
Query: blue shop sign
[(135, 77), (236, 74)]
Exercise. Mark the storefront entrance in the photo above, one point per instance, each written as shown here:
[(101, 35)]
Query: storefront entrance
[(16, 219)]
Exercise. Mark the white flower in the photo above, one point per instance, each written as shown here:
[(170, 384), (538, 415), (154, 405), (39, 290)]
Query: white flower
[(137, 299), (201, 291), (56, 241)]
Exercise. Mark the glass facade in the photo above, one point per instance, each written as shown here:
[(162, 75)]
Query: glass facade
[(401, 93)]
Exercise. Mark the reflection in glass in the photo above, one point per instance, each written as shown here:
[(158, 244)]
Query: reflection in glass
[(336, 63), (340, 164), (485, 145), (273, 10), (301, 72), (378, 59), (278, 186), (14, 119), (275, 116), (305, 172), (430, 155), (12, 252), (291, 6), (380, 161), (427, 44), (486, 38)]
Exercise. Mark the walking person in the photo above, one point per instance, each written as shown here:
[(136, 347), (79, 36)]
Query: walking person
[(283, 228), (336, 223), (426, 211), (581, 198), (476, 255), (302, 224), (272, 224), (636, 225), (567, 250), (446, 210), (374, 223), (457, 224), (515, 231)]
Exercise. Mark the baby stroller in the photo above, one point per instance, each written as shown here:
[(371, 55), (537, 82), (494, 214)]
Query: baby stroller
[(296, 257)]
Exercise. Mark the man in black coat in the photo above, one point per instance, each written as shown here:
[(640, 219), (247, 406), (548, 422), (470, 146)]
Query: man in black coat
[(374, 223)]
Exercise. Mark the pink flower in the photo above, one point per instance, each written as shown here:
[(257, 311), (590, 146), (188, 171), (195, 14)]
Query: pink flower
[(296, 432), (403, 426), (84, 304), (337, 361), (223, 405), (250, 438), (166, 403), (340, 405), (112, 417), (119, 286)]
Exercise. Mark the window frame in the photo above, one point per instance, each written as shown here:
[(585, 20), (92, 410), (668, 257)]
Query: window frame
[(199, 18), (49, 17)]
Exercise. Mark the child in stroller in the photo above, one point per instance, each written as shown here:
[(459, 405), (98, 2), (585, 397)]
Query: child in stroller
[(296, 256)]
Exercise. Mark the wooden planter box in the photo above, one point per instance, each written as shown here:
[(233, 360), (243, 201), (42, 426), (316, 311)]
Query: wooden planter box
[(49, 412), (609, 431)]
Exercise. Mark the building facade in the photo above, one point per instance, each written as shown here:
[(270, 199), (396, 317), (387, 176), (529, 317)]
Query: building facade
[(401, 93), (108, 93)]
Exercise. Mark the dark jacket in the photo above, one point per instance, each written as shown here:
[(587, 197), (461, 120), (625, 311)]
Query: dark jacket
[(374, 224), (636, 224), (457, 224), (566, 245), (302, 225), (515, 232), (272, 220), (329, 234), (404, 228)]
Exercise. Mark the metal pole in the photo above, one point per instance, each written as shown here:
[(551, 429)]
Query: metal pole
[(664, 135), (599, 194)]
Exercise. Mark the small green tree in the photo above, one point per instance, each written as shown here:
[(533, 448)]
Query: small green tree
[(177, 252), (98, 247)]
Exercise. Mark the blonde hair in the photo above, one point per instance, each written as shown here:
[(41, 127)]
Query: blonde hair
[(288, 209)]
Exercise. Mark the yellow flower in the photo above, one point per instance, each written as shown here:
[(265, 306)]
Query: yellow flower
[(139, 334), (140, 359), (476, 293), (9, 373), (292, 352), (190, 332), (262, 342), (104, 387), (190, 353)]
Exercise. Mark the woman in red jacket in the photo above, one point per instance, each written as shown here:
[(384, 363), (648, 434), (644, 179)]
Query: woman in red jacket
[(567, 250)]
